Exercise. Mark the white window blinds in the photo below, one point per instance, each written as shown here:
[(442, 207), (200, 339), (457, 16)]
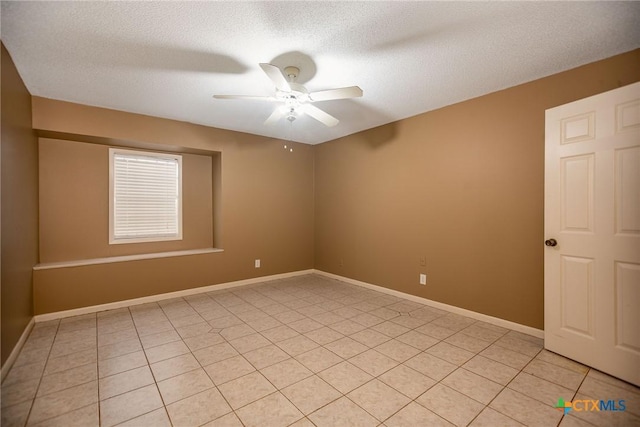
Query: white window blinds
[(146, 202)]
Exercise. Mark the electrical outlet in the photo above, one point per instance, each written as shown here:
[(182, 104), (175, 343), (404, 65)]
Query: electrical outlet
[(257, 263), (423, 261), (423, 279)]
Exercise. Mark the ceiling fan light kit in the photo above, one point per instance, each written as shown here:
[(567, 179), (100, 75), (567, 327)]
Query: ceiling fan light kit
[(295, 97)]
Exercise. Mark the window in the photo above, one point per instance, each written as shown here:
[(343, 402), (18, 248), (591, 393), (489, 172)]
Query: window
[(145, 196)]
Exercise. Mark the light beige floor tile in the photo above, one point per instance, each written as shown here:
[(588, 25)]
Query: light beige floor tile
[(390, 329), (297, 345), (249, 342), (69, 378), (60, 337), (290, 316), (519, 345), (453, 321), (119, 349), (598, 389), (608, 379), (571, 421), (266, 356), (225, 322), (450, 353), (467, 342), (505, 356), (347, 327), (118, 364), (198, 342), (154, 327), (310, 394), (279, 333), (25, 373), (525, 410), (384, 313), (129, 405), (482, 333), (417, 415), (175, 366), (418, 340), (435, 331), (327, 318), (342, 412), (324, 335), (397, 350), (31, 356), (539, 389), (495, 371), (409, 382), (346, 347), (373, 362), (55, 404), (118, 336), (473, 385), (124, 382), (68, 347), (228, 369), (303, 422), (229, 420), (409, 321), (157, 418), (184, 385), (318, 359), (246, 389), (15, 415), (554, 373), (367, 319), (195, 330), (198, 409), (440, 398), (345, 377), (69, 361), (431, 366), (270, 411), (556, 359), (370, 338), (215, 353), (83, 417), (188, 320), (236, 331), (378, 399), (603, 418), (305, 325), (285, 373), (15, 393), (159, 338), (492, 418), (264, 323)]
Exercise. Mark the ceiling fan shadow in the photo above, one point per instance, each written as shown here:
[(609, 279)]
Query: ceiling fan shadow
[(144, 55)]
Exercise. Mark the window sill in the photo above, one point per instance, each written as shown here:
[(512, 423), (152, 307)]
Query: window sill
[(126, 258)]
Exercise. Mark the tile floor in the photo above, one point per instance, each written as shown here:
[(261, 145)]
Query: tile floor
[(298, 352)]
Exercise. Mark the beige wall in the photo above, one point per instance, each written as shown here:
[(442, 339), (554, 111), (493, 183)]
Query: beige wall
[(74, 204), (263, 207), (462, 186), (19, 216)]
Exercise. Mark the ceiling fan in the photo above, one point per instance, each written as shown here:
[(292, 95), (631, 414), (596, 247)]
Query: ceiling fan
[(295, 98)]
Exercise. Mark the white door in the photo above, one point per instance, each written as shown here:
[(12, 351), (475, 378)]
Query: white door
[(592, 214)]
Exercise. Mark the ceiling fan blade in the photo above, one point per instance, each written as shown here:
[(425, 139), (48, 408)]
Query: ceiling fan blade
[(340, 93), (276, 76), (254, 98), (324, 118), (274, 117)]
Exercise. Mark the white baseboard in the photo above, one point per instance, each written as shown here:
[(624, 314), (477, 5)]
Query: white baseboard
[(159, 297), (538, 333), (16, 349)]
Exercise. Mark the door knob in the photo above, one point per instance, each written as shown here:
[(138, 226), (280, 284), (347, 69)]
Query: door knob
[(550, 242)]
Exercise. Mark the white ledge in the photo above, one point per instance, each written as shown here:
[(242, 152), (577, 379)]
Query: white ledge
[(125, 258)]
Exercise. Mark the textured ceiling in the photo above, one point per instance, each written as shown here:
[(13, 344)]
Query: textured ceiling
[(167, 59)]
